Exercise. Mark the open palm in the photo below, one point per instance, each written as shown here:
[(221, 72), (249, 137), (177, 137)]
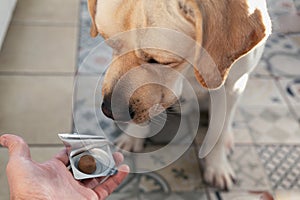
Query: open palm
[(52, 180)]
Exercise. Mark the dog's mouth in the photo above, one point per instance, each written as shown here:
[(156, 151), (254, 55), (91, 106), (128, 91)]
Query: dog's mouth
[(141, 108), (145, 116), (157, 112)]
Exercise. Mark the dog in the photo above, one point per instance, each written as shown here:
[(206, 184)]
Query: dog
[(231, 32)]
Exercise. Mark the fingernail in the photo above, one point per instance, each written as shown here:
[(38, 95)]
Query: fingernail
[(124, 168)]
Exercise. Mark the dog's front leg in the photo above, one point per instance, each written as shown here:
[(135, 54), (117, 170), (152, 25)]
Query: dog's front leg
[(218, 171), (133, 138)]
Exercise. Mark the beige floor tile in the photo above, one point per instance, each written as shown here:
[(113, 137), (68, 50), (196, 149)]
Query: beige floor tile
[(54, 11), (37, 107), (182, 175), (40, 154), (39, 49)]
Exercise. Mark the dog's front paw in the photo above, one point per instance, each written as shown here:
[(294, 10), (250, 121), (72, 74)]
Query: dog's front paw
[(218, 173), (129, 143)]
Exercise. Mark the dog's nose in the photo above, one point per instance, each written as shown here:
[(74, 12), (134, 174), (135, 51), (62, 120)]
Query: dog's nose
[(119, 114), (131, 112), (106, 108)]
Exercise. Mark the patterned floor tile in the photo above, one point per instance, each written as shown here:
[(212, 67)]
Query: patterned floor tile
[(240, 195), (183, 175), (272, 124), (249, 171), (165, 196), (286, 64), (291, 89), (176, 196), (287, 195), (241, 133), (262, 92), (281, 50), (282, 165), (240, 129), (282, 56), (179, 180), (261, 70), (145, 183)]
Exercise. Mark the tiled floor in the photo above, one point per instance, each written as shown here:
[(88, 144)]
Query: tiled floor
[(37, 66)]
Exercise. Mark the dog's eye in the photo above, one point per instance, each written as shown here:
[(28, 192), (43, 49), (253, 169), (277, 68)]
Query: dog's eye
[(153, 61)]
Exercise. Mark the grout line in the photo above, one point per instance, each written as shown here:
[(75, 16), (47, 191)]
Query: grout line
[(44, 23)]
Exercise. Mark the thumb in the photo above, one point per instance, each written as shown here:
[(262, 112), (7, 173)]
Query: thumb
[(17, 147)]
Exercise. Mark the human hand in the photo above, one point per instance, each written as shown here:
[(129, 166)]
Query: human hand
[(28, 179)]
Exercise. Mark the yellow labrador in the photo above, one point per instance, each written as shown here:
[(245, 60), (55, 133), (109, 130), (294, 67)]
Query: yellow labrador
[(231, 32)]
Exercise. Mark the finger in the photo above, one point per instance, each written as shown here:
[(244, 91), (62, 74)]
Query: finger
[(118, 157), (91, 183), (62, 156), (17, 147), (106, 188)]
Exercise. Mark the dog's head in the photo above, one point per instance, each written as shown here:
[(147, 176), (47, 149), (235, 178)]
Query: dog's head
[(226, 30)]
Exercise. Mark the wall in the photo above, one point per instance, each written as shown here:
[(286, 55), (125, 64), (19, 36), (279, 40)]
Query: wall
[(6, 11)]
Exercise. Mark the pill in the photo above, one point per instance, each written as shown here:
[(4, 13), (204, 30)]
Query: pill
[(87, 164)]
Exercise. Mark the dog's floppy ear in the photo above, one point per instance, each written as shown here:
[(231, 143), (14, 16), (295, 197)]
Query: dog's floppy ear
[(92, 6), (225, 32)]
